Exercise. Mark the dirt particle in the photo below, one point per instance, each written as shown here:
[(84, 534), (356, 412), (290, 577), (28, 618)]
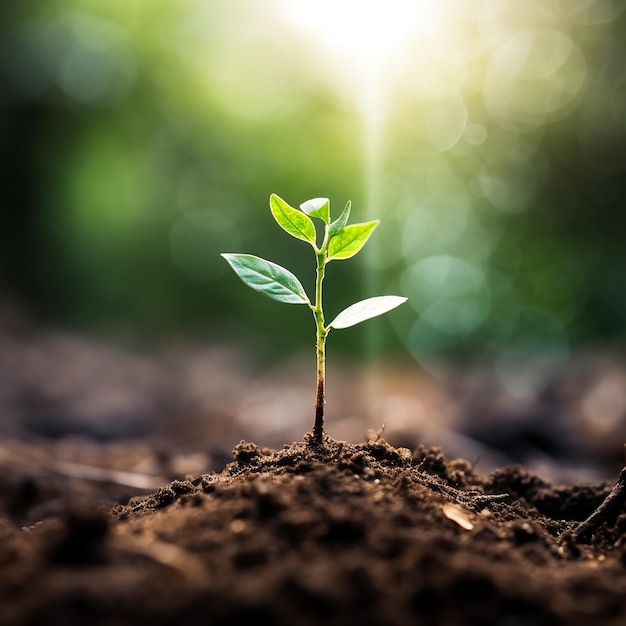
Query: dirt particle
[(457, 515), (246, 452), (237, 526)]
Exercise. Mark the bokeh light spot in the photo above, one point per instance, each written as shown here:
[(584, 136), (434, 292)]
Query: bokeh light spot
[(437, 222), (457, 316), (533, 78), (427, 126), (445, 276), (592, 11), (475, 134), (510, 181), (90, 59)]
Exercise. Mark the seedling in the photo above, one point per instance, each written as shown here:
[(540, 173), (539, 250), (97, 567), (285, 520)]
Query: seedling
[(340, 241)]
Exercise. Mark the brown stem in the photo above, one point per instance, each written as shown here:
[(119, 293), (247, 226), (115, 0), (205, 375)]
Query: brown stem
[(318, 426)]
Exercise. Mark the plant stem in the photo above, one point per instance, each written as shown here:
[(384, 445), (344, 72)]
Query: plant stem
[(318, 426), (318, 312)]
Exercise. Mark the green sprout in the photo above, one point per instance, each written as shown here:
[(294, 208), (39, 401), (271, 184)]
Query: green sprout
[(340, 241)]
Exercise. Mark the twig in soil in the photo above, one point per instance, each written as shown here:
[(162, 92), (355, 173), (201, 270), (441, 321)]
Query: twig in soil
[(606, 513), (472, 499), (106, 475)]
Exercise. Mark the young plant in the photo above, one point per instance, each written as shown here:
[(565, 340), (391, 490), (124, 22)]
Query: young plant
[(340, 241)]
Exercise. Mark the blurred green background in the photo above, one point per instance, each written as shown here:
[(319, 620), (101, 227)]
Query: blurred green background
[(141, 139)]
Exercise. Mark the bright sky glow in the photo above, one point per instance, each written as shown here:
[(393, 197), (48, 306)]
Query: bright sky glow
[(360, 33)]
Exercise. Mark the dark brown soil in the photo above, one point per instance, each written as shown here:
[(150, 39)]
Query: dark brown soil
[(344, 534)]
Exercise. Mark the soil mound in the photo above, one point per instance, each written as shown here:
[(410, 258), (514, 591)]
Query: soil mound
[(339, 534)]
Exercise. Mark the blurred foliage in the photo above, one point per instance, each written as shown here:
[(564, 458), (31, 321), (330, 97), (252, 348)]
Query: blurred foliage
[(140, 139)]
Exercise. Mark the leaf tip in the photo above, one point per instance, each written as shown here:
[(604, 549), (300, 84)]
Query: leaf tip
[(275, 199)]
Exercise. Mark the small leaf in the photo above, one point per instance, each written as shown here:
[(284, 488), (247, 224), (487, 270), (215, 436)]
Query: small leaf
[(341, 221), (268, 278), (348, 241), (317, 207), (296, 223), (365, 310)]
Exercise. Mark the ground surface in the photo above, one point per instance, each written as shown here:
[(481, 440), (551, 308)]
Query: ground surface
[(118, 504), (345, 534)]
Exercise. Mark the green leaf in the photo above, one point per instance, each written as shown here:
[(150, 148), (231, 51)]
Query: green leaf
[(317, 207), (268, 278), (341, 221), (348, 241), (365, 310), (296, 223)]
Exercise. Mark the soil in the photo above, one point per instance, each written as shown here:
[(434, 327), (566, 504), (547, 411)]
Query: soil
[(340, 534), (121, 501)]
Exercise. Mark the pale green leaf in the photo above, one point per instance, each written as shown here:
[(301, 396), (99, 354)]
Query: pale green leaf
[(365, 310), (348, 241), (317, 207), (268, 278), (341, 221), (296, 223)]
